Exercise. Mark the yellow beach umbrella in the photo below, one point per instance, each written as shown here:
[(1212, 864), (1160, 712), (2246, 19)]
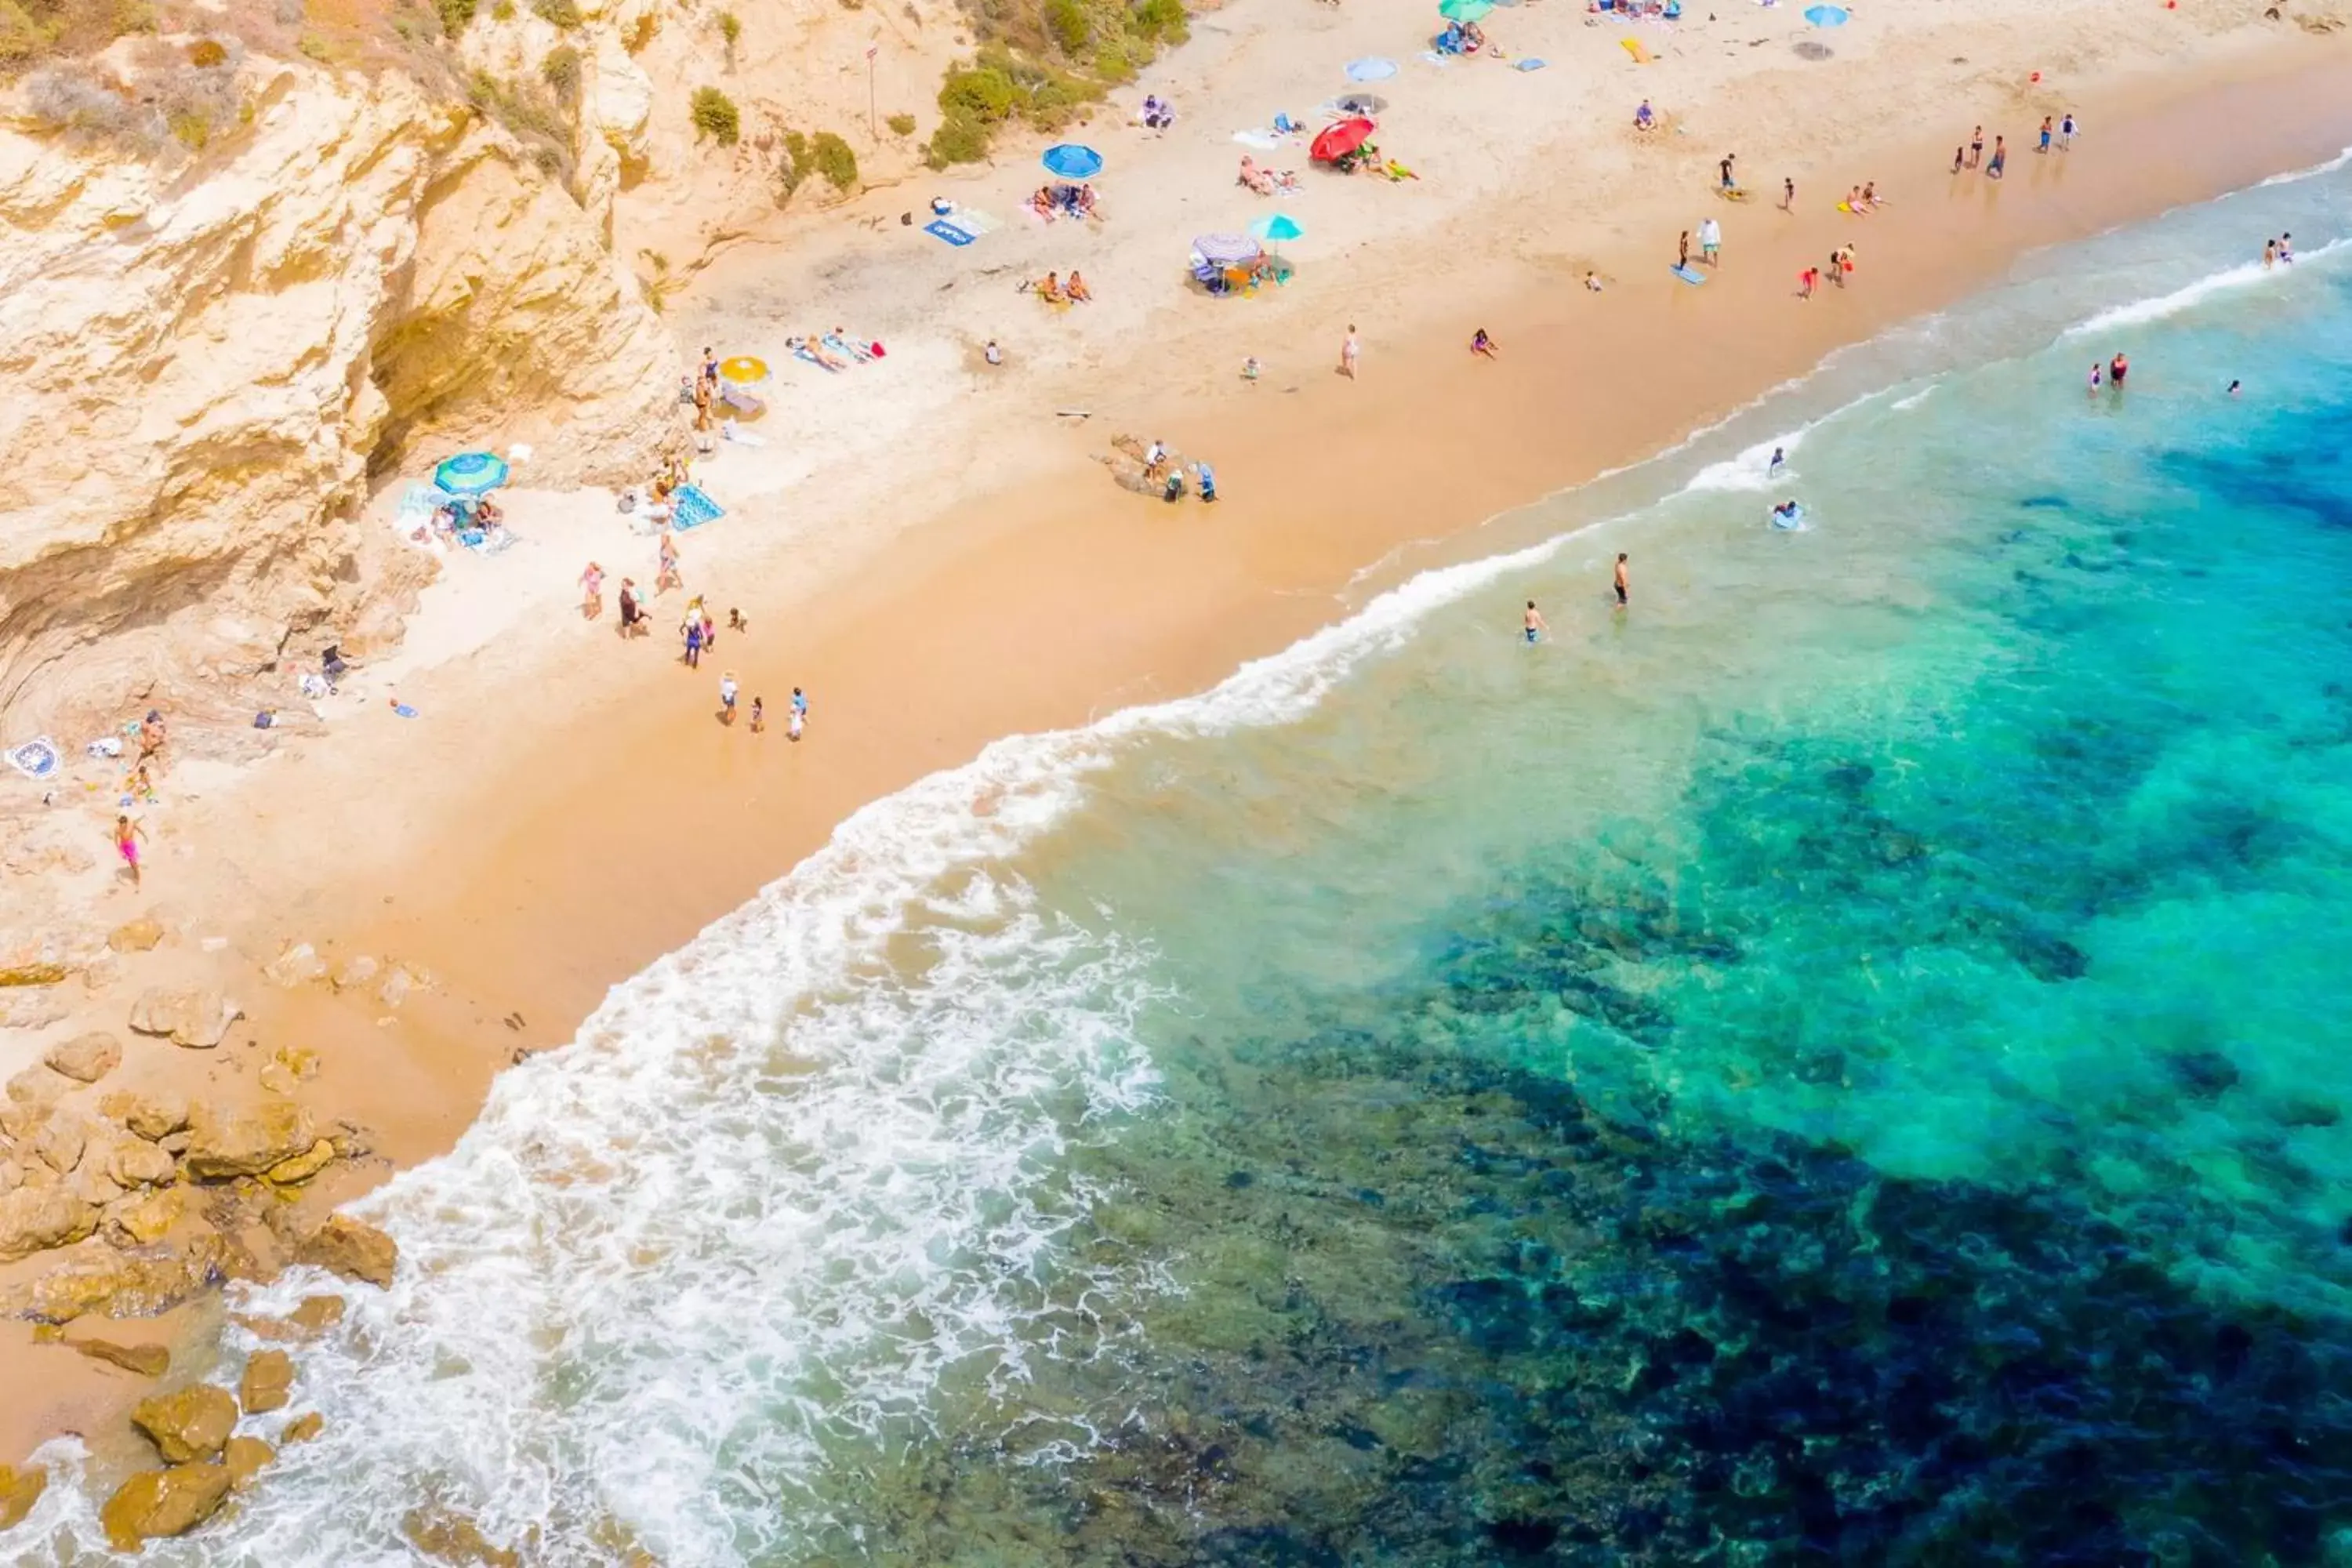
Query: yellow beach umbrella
[(743, 371)]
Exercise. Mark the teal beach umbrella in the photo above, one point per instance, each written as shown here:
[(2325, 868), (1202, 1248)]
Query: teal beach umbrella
[(471, 474), (1463, 10), (1280, 226)]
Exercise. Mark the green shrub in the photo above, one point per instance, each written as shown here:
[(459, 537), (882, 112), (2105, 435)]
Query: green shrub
[(454, 14), (503, 11), (1113, 64), (1066, 21), (21, 37), (1161, 21), (561, 14), (981, 94), (641, 32), (959, 140), (314, 47), (561, 71), (901, 124), (731, 28), (835, 158), (715, 116)]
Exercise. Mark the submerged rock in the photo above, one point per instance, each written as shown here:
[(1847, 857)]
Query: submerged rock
[(147, 1361), (268, 1382), (244, 1459)]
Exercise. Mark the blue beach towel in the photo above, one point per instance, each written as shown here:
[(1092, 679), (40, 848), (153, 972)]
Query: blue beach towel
[(691, 509), (1688, 274), (941, 229), (1532, 63)]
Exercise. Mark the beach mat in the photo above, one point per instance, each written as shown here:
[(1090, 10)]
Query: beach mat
[(941, 229), (1532, 63), (691, 508), (36, 759), (1688, 274)]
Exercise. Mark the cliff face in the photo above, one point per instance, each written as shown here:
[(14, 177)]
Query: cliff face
[(203, 361)]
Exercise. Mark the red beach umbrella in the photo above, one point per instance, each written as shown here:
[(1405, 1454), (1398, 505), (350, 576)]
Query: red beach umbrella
[(1337, 141)]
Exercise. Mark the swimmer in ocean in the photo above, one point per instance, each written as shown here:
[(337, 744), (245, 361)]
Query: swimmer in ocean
[(2234, 388), (2098, 375), (1533, 623), (1785, 513), (1624, 578), (1779, 461)]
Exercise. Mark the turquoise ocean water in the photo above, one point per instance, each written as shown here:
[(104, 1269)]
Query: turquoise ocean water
[(1842, 1062)]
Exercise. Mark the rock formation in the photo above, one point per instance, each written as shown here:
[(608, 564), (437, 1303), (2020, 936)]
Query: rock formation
[(188, 1424), (155, 1503), (204, 357)]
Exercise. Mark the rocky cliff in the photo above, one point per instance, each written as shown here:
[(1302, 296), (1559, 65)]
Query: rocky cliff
[(206, 356)]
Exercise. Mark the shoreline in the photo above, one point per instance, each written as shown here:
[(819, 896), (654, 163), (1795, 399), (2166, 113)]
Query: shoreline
[(576, 836)]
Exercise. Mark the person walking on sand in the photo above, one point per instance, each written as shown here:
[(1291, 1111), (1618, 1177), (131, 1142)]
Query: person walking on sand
[(797, 717), (1976, 146), (1710, 241), (702, 404), (1623, 580), (1788, 195), (1959, 159), (694, 642), (127, 834), (1723, 169), (1532, 623), (1348, 349), (1999, 158), (759, 717), (2047, 130), (1681, 253), (592, 588), (2066, 132), (709, 365), (727, 699), (668, 577), (1806, 281)]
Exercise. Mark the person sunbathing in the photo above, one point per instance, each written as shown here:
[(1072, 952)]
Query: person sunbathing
[(1077, 288), (1041, 204), (1083, 204), (1051, 291), (1254, 178), (817, 353), (1396, 171)]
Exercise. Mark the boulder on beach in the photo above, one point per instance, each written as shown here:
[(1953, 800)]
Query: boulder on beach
[(136, 936), (32, 1219), (356, 1251), (188, 1423), (296, 966), (19, 1490), (224, 1144), (304, 1166), (197, 1019), (86, 1058), (94, 1276), (153, 1117), (157, 1504), (146, 1361)]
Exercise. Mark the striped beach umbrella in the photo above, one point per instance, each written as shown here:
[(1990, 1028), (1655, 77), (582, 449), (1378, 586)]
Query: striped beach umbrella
[(471, 474)]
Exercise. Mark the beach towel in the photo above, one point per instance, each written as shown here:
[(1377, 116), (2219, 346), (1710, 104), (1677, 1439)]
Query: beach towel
[(36, 758), (1264, 141), (730, 431), (1433, 58), (941, 229), (857, 352), (810, 355), (404, 709), (691, 508), (736, 397), (1532, 63)]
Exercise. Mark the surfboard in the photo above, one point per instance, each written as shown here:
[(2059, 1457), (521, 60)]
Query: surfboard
[(1688, 274), (1633, 48)]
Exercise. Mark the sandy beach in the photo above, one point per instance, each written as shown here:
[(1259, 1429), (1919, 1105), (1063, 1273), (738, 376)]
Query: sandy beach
[(933, 550)]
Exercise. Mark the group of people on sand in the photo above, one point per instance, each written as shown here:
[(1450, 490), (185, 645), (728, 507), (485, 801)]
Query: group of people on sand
[(1263, 181), (1065, 200), (1055, 291)]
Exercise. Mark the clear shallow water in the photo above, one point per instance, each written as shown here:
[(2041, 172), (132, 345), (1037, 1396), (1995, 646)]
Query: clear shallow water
[(1842, 1063)]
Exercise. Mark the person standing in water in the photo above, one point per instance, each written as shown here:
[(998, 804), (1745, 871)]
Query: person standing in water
[(1624, 579), (2117, 368), (1779, 461), (1532, 623), (2098, 375)]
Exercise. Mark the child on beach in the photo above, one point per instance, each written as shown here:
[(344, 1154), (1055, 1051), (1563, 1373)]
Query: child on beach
[(2047, 131), (127, 834), (1482, 345), (591, 585), (1999, 158), (759, 716), (727, 699), (693, 643), (1806, 281)]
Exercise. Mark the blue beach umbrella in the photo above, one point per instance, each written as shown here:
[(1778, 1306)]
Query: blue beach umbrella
[(471, 474), (1280, 226), (1826, 16), (1371, 68), (1072, 162)]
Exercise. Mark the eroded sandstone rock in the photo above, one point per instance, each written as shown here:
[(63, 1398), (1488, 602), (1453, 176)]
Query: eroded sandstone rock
[(32, 1219), (197, 1019), (305, 1165), (19, 1490), (85, 1058), (268, 1382), (157, 1504), (354, 1250), (136, 936), (224, 1144), (188, 1423), (95, 1277), (244, 1458), (152, 1116), (147, 1361)]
